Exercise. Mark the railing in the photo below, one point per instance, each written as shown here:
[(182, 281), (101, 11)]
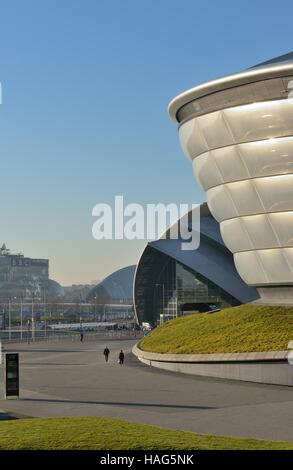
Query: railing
[(16, 336)]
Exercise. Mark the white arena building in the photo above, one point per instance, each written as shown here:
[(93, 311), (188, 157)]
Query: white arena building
[(238, 133)]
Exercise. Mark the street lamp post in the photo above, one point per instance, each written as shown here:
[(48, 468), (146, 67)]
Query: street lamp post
[(45, 303), (28, 330), (163, 298), (33, 324), (95, 304), (9, 318), (21, 322)]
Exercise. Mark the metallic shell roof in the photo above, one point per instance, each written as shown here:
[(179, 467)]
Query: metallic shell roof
[(118, 285), (211, 260)]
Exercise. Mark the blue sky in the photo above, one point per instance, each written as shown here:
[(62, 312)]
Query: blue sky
[(86, 85)]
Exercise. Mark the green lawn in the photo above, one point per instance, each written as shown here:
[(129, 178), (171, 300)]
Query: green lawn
[(238, 329), (111, 434)]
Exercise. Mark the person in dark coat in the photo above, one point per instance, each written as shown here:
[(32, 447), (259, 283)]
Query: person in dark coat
[(106, 353), (121, 358)]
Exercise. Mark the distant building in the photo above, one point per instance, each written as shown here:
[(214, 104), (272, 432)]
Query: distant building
[(76, 292), (113, 296), (115, 288), (25, 278)]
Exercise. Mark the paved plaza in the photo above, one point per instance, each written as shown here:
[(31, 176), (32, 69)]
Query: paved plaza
[(72, 379)]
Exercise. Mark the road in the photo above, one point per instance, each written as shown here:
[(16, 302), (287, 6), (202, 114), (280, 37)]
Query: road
[(72, 379)]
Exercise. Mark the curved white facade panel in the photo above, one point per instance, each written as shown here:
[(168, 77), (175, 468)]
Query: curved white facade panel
[(260, 267), (253, 196), (246, 123), (242, 156), (239, 162), (273, 230)]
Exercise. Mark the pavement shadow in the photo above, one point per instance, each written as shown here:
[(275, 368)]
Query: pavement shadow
[(122, 403), (32, 350), (55, 364)]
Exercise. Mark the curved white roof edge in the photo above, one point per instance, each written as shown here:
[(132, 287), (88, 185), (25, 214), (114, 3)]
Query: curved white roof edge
[(261, 72)]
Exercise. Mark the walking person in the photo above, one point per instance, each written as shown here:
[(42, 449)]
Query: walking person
[(121, 358), (106, 353), (81, 336)]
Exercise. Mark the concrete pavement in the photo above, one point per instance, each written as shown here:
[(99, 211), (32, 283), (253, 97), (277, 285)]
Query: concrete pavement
[(72, 379)]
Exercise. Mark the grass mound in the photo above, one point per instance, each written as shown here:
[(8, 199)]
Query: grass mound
[(245, 328), (113, 434)]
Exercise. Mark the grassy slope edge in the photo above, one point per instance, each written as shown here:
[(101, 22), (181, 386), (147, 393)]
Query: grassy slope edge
[(83, 433), (245, 328)]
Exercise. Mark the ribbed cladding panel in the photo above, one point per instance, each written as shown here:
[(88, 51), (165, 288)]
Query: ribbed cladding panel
[(266, 267), (260, 120), (275, 192), (258, 231), (244, 161), (248, 233), (247, 123), (243, 158), (191, 139), (254, 196)]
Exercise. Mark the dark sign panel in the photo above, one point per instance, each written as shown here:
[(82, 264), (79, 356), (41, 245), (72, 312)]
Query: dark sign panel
[(21, 262), (39, 262), (11, 375)]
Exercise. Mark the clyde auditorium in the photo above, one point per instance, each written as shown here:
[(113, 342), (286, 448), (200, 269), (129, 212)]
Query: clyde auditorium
[(170, 281), (238, 133)]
